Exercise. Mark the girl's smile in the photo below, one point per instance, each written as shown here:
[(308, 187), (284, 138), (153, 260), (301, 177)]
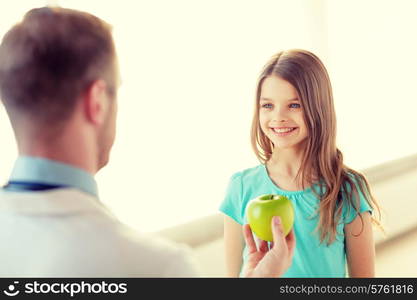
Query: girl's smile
[(283, 131)]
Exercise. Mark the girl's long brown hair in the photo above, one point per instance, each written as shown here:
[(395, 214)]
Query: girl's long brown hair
[(321, 159)]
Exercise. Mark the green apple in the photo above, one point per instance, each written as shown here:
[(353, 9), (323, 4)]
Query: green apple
[(261, 210)]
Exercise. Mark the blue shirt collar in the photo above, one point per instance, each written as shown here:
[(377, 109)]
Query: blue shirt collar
[(42, 170)]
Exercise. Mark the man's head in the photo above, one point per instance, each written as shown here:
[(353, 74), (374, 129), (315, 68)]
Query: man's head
[(58, 69)]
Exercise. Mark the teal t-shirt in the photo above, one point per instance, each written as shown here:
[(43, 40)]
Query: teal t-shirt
[(311, 258)]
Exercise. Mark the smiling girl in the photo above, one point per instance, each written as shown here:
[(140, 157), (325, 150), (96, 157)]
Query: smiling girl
[(294, 137)]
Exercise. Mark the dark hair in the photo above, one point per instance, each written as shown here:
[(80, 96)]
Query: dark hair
[(50, 57)]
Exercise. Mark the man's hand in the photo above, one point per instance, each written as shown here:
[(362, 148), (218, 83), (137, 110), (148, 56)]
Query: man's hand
[(273, 262)]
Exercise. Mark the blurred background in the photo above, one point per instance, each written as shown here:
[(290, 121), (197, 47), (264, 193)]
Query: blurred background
[(189, 70)]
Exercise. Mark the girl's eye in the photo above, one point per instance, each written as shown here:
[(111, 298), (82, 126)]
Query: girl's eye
[(267, 105), (295, 105)]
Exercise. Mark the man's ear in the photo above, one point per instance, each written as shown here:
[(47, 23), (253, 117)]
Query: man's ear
[(95, 102)]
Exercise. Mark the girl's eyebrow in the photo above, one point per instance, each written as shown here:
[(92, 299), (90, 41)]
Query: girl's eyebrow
[(269, 99)]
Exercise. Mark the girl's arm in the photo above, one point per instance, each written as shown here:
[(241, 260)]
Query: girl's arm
[(233, 242), (360, 250)]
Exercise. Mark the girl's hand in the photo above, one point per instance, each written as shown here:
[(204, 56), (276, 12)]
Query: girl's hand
[(273, 262)]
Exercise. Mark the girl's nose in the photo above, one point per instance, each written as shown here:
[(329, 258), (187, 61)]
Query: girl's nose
[(280, 115)]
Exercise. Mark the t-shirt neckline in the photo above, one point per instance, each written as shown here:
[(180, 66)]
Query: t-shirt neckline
[(280, 190)]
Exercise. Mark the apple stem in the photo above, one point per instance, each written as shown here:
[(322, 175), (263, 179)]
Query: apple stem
[(268, 197)]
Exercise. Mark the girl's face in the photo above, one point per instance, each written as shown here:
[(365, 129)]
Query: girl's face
[(280, 114)]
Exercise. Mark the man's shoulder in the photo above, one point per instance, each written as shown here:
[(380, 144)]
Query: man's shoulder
[(155, 255), (88, 240), (134, 252), (145, 242)]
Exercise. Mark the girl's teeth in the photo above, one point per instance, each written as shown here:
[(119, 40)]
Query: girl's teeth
[(282, 130)]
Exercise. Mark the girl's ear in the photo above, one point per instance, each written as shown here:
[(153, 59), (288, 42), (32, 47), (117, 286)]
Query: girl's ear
[(95, 102)]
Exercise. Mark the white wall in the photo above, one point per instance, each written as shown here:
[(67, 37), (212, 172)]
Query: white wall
[(372, 61)]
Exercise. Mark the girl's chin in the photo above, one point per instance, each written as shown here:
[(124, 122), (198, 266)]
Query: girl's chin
[(280, 145), (285, 147)]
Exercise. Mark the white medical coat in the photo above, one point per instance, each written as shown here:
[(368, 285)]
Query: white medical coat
[(68, 233)]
